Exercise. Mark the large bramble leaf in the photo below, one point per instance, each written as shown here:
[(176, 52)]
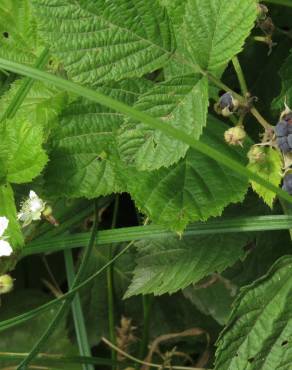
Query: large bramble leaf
[(7, 209), (24, 155), (215, 30), (270, 169), (98, 40), (18, 32), (170, 264), (195, 188), (181, 102), (258, 335), (84, 153)]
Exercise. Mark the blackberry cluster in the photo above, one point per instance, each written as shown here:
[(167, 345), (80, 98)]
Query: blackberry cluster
[(283, 131)]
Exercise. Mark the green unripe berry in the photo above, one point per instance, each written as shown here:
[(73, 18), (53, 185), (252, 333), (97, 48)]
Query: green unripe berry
[(256, 154), (235, 135)]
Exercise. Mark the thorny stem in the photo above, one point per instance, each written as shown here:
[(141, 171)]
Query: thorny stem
[(157, 366)]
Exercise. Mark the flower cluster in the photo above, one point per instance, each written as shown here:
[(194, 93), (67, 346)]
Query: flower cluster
[(31, 209)]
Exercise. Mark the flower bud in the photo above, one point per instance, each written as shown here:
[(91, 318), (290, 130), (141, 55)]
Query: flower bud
[(256, 154), (235, 135), (6, 284), (48, 215)]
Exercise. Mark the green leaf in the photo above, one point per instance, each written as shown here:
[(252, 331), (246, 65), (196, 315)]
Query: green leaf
[(84, 153), (8, 209), (18, 31), (98, 41), (177, 134), (181, 102), (96, 314), (170, 264), (213, 297), (196, 188), (270, 169), (23, 337), (25, 157), (41, 105), (215, 30), (175, 9), (258, 335)]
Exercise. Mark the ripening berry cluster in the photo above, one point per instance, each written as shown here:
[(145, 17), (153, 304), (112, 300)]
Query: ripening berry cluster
[(283, 131)]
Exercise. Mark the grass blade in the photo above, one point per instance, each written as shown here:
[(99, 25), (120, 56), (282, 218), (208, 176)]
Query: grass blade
[(68, 300), (145, 118), (78, 317), (217, 226)]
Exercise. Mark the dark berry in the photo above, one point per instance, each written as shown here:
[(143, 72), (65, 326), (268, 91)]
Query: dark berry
[(289, 128), (287, 117), (226, 101), (289, 139), (281, 129), (283, 144), (287, 184)]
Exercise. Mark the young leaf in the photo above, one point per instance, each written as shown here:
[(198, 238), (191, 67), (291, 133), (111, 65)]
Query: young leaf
[(196, 188), (215, 30), (25, 157), (99, 41), (181, 102), (8, 209), (258, 335), (270, 169), (170, 264), (84, 151), (18, 35)]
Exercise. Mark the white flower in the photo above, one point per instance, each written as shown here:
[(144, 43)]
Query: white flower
[(5, 247), (31, 209)]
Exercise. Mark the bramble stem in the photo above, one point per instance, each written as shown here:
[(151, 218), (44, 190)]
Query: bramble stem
[(240, 76), (260, 118)]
